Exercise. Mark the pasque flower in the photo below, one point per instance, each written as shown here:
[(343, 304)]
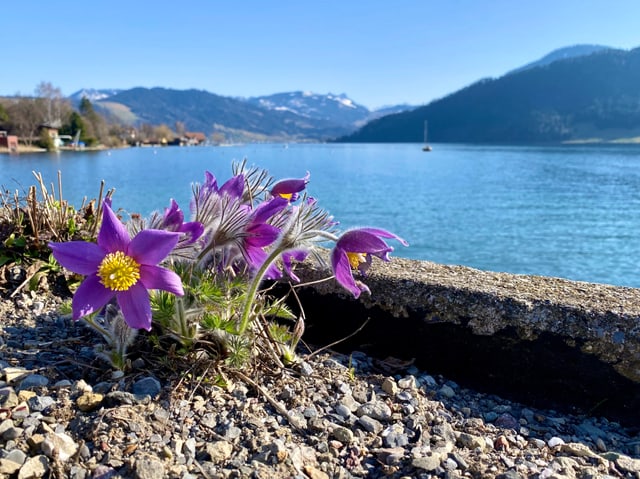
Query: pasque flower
[(354, 250), (173, 220), (120, 266), (290, 188)]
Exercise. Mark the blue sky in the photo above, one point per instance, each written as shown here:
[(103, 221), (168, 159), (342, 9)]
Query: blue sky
[(377, 52)]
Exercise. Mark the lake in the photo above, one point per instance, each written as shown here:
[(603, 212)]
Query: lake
[(566, 211)]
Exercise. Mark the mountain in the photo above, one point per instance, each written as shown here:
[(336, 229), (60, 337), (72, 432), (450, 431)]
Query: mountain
[(291, 116), (563, 54), (92, 94), (202, 111), (337, 109), (577, 98)]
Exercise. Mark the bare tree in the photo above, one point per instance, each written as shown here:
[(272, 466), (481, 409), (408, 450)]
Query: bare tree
[(55, 106), (25, 117), (180, 128)]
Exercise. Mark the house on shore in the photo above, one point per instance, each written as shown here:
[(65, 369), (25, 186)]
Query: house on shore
[(193, 139), (9, 141)]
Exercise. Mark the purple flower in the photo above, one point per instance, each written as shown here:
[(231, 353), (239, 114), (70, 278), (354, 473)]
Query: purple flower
[(173, 220), (258, 233), (354, 250), (290, 188), (120, 266)]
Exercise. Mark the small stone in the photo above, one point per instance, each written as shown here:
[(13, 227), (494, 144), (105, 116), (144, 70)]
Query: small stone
[(371, 425), (59, 446), (33, 381), (501, 443), (82, 387), (470, 441), (343, 434), (538, 443), (20, 411), (147, 387), (447, 391), (12, 375), (315, 473), (8, 467), (376, 409), (8, 398), (629, 464), (306, 369), (577, 449), (12, 433), (89, 401), (219, 451), (34, 467), (149, 468), (507, 421), (25, 395), (408, 382), (389, 386), (555, 441), (429, 462), (16, 455), (510, 474), (395, 437), (40, 403)]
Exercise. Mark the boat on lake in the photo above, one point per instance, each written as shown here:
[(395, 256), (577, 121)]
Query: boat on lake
[(426, 146)]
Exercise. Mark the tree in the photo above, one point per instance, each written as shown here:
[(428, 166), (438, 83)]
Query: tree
[(74, 124), (25, 117), (163, 134), (55, 107), (95, 126), (180, 128), (4, 116)]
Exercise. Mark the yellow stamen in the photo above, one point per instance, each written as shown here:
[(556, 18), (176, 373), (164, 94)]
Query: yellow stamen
[(118, 271), (286, 196), (355, 259)]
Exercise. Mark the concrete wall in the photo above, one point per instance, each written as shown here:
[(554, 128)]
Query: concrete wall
[(546, 341)]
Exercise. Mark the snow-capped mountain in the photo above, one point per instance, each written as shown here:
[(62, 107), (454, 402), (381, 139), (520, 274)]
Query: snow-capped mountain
[(337, 109), (93, 94)]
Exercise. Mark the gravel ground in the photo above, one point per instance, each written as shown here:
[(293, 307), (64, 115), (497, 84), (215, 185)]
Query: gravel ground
[(64, 413)]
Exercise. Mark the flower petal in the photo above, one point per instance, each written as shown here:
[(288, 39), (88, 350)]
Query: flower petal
[(233, 187), (113, 235), (90, 296), (193, 230), (136, 306), (363, 241), (157, 277), (152, 246), (261, 235), (288, 256), (80, 257), (384, 234), (173, 216), (290, 187), (269, 208), (342, 271)]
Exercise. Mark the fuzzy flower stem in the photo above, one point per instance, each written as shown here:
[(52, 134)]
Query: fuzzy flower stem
[(90, 321), (253, 289)]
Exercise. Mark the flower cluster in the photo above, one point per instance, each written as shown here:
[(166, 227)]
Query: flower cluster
[(250, 227)]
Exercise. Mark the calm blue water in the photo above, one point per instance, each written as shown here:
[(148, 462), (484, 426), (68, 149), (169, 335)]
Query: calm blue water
[(571, 211)]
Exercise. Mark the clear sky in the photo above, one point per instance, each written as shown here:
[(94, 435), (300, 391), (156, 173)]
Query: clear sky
[(378, 52)]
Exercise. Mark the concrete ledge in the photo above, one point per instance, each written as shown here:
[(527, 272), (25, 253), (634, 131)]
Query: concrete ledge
[(547, 341)]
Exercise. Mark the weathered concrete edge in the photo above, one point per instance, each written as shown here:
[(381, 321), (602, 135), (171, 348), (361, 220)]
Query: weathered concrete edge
[(600, 320)]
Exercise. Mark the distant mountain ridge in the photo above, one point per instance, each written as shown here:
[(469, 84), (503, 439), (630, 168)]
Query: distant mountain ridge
[(562, 54), (290, 116), (590, 97), (338, 109)]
